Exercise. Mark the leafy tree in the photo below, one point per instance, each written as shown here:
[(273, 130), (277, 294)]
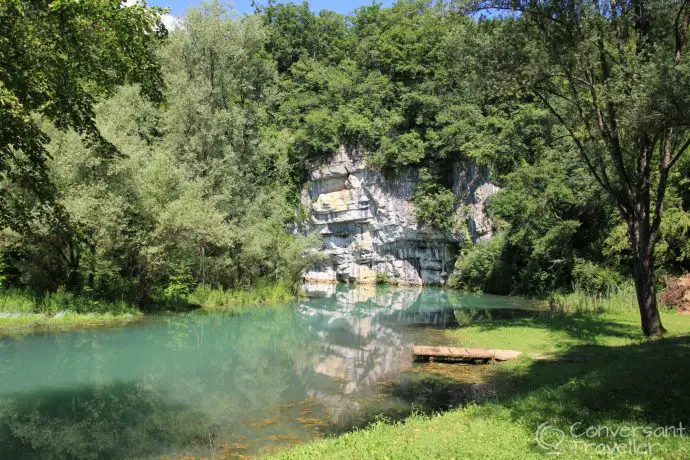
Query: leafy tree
[(56, 59), (615, 75), (551, 215), (434, 203), (296, 32)]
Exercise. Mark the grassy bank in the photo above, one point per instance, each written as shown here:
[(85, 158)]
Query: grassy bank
[(609, 377), (263, 293), (22, 312), (622, 298)]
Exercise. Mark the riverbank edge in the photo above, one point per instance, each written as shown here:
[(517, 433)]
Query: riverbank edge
[(22, 313), (19, 323), (505, 426)]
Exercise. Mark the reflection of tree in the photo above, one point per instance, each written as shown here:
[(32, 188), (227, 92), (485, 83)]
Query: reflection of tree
[(180, 382), (470, 308), (459, 299), (470, 316), (113, 421)]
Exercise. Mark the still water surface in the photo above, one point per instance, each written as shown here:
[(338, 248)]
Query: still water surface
[(216, 384)]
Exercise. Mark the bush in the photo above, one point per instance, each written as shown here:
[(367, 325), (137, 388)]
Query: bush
[(619, 298), (435, 205), (179, 286), (404, 150), (18, 301), (263, 292), (595, 279), (481, 267), (382, 278)]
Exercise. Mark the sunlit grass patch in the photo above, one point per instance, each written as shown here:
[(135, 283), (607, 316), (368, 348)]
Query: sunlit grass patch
[(620, 298), (211, 298), (23, 323)]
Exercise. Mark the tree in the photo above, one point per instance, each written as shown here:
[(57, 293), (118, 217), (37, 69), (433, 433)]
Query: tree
[(57, 57), (616, 75)]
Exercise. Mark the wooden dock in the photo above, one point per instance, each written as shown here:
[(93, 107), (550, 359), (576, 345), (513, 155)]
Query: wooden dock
[(449, 354)]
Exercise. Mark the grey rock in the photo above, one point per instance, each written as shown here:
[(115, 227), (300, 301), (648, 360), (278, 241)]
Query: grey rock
[(368, 222)]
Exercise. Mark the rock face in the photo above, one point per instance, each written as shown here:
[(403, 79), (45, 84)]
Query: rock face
[(369, 226)]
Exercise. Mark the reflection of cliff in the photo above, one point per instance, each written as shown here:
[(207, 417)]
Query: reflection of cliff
[(361, 339), (357, 348), (175, 383), (365, 333)]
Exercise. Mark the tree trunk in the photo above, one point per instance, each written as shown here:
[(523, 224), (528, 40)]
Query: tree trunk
[(643, 273), (73, 275)]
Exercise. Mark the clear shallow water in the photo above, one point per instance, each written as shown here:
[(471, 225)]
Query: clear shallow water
[(218, 385)]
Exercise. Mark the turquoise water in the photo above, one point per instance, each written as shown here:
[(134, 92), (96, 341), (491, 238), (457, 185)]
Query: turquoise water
[(215, 384)]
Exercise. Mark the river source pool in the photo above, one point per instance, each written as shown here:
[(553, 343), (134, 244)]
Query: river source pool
[(217, 385)]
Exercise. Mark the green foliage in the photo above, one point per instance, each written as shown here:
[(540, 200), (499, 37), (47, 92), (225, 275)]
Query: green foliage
[(615, 298), (47, 68), (179, 286), (206, 186), (595, 279), (382, 278), (404, 150), (551, 214), (296, 32), (482, 267), (198, 195), (434, 204), (18, 302), (220, 299)]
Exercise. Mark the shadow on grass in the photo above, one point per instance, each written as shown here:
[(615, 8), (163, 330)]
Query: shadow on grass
[(645, 382)]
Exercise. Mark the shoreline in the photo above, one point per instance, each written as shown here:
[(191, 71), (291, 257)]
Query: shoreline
[(21, 313), (12, 323)]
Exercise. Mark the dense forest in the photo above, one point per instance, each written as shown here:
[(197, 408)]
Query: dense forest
[(140, 162)]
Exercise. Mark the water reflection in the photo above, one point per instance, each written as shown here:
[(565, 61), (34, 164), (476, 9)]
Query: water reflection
[(215, 384)]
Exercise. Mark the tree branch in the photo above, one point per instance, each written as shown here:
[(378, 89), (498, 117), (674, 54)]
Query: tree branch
[(679, 153), (583, 153)]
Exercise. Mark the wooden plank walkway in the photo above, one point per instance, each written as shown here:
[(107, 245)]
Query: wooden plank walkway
[(426, 353)]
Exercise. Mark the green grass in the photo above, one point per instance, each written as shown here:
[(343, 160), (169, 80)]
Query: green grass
[(22, 302), (21, 312), (468, 433), (625, 381), (219, 299), (68, 320), (622, 298), (549, 333)]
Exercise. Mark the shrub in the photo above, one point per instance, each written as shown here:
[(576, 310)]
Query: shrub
[(595, 279), (481, 267), (622, 297), (382, 278), (435, 205)]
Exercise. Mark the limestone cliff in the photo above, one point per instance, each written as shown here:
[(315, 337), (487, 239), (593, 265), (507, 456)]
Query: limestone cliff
[(368, 222)]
